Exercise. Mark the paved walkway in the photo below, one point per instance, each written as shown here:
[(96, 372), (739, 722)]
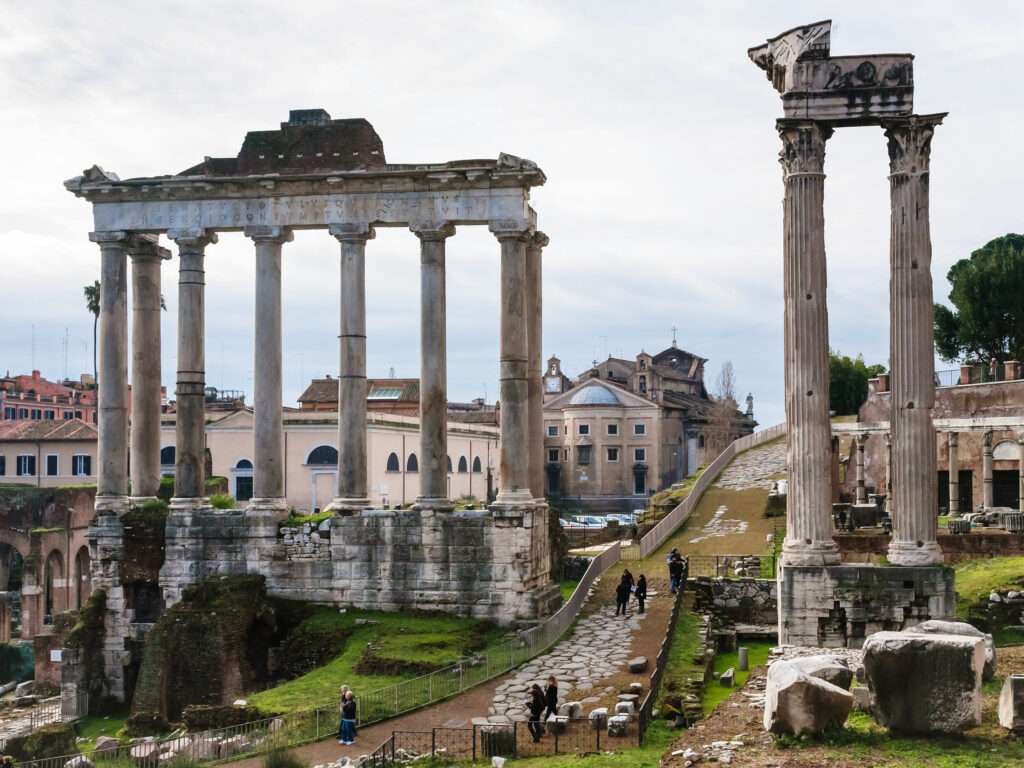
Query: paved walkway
[(755, 468)]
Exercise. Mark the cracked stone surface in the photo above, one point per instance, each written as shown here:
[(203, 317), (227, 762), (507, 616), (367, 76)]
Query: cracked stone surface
[(754, 468)]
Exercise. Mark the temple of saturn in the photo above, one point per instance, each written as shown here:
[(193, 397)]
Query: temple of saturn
[(318, 173), (820, 601)]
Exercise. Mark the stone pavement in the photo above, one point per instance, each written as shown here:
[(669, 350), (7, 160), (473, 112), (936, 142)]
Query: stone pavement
[(719, 525), (755, 468), (597, 649)]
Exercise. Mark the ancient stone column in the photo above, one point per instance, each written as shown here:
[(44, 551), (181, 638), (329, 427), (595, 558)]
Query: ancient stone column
[(112, 406), (911, 343), (433, 366), (535, 342), (189, 470), (954, 476), (888, 471), (268, 428), (1020, 471), (862, 491), (809, 432), (514, 457), (144, 442), (986, 471), (352, 486)]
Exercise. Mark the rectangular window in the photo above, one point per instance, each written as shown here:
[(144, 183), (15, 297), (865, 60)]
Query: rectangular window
[(639, 429), (68, 415), (23, 413), (81, 464), (26, 465), (10, 413), (78, 414), (37, 414), (51, 465), (613, 454), (553, 455), (552, 430), (49, 414), (584, 429), (3, 466), (643, 384), (613, 429), (639, 454), (583, 454)]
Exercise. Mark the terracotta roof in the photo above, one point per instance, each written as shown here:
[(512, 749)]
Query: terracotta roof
[(326, 390), (25, 429)]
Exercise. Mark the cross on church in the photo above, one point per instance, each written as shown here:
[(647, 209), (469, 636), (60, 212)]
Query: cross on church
[(674, 329)]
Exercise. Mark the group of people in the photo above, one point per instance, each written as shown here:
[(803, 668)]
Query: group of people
[(347, 726), (541, 704), (677, 568), (627, 586)]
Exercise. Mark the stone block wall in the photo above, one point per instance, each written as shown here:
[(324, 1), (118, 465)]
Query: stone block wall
[(732, 601), (838, 606), (861, 547)]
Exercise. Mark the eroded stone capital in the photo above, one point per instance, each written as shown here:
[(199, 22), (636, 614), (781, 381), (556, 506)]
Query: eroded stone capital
[(352, 232), (110, 237), (954, 438), (510, 229), (268, 234), (986, 440), (432, 230), (192, 240), (146, 247), (539, 240), (803, 146), (910, 142)]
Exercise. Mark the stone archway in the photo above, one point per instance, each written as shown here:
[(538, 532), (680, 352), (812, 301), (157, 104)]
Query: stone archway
[(83, 576), (54, 586)]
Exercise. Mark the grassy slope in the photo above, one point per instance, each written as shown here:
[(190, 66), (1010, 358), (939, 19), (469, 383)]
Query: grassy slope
[(434, 639), (976, 578), (715, 693), (91, 727), (567, 587)]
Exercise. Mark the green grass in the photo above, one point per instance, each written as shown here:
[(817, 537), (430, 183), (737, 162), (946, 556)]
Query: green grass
[(975, 579), (567, 587), (430, 639), (715, 693), (91, 727), (295, 521)]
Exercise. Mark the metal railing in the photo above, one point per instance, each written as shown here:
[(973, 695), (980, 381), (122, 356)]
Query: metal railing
[(733, 566), (42, 713), (646, 713)]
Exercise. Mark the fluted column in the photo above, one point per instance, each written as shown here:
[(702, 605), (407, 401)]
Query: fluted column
[(535, 342), (954, 475), (144, 442), (808, 520), (888, 471), (268, 427), (911, 344), (514, 457), (189, 471), (112, 405), (987, 495), (862, 491), (352, 495), (433, 366)]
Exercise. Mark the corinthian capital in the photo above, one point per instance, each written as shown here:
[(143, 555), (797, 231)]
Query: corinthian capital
[(910, 142), (803, 146)]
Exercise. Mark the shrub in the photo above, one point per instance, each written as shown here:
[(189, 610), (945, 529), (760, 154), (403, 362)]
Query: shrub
[(207, 717), (282, 758), (222, 501)]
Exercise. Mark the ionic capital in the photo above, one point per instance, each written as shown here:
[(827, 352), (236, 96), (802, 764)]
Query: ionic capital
[(803, 146), (192, 240), (432, 231), (268, 234), (910, 142), (954, 439), (539, 240), (352, 232), (510, 229)]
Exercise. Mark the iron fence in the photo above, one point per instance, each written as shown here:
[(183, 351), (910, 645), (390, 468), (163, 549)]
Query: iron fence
[(733, 566), (40, 714)]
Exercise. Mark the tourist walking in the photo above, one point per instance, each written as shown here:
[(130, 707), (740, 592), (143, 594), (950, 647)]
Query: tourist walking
[(551, 698), (675, 572), (628, 578), (622, 597), (536, 707), (342, 691), (348, 719), (641, 593)]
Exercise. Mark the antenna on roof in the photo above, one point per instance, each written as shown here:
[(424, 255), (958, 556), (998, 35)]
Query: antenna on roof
[(674, 329), (391, 372)]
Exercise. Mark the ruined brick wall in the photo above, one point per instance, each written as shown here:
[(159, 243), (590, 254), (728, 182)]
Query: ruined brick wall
[(732, 601)]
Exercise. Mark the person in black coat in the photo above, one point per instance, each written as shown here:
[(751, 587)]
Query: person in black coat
[(622, 597), (536, 706), (551, 698), (675, 572), (641, 593)]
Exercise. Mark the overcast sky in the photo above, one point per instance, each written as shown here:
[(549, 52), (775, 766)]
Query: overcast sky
[(654, 129)]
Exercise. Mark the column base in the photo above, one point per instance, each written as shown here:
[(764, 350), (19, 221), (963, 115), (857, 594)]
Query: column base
[(513, 503), (270, 507), (346, 506), (435, 503), (914, 553), (816, 553), (138, 501), (111, 504), (189, 503)]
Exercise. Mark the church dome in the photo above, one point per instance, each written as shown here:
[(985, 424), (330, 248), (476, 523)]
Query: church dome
[(595, 395)]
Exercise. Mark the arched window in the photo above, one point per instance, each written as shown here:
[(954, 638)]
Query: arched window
[(323, 455), (412, 464), (449, 465), (243, 464), (393, 464), (53, 574), (83, 578), (477, 467), (168, 455), (463, 465)]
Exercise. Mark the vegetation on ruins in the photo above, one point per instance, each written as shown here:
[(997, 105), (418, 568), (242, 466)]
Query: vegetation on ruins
[(222, 501), (848, 382), (987, 318), (87, 636)]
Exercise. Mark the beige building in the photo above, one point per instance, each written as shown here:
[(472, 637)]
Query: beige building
[(311, 457), (46, 453)]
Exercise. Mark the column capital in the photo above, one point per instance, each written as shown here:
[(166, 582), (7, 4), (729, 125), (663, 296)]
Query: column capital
[(954, 438), (539, 240), (803, 146), (910, 142), (110, 236), (146, 247), (352, 232), (432, 231), (510, 229), (986, 440), (192, 239), (268, 234), (862, 440)]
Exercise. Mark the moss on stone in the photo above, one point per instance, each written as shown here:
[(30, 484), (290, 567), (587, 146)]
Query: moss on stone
[(88, 636), (51, 740)]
